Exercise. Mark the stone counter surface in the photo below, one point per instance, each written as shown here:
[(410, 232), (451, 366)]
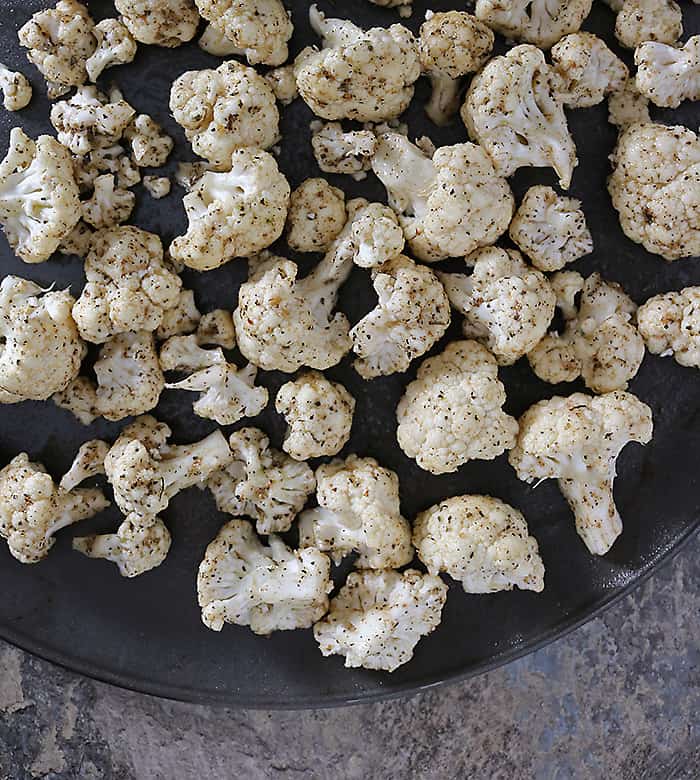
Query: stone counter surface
[(619, 698)]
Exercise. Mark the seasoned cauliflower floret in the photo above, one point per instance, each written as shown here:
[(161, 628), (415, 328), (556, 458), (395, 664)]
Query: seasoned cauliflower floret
[(88, 462), (261, 482), (272, 588), (507, 305), (106, 157), (150, 145), (339, 152), (157, 186), (115, 46), (283, 84), (514, 109), (367, 75), (316, 215), (166, 23), (670, 325), (16, 89), (648, 20), (576, 440), (79, 398), (39, 203), (378, 617), (78, 241), (184, 317), (667, 75), (452, 412), (216, 327), (403, 6), (110, 204), (318, 413), (376, 234), (359, 511), (627, 107), (655, 187), (480, 541)]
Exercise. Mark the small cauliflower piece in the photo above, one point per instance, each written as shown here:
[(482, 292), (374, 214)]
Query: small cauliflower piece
[(576, 440), (107, 157), (89, 461), (79, 397), (157, 186), (507, 305), (33, 509), (115, 46), (648, 20), (233, 214), (412, 314), (225, 109), (550, 229), (318, 413), (184, 353), (150, 144), (110, 205), (40, 347), (339, 152), (78, 241), (451, 44), (39, 203), (261, 482), (452, 412), (378, 617), (216, 327), (273, 588), (627, 107), (16, 89), (667, 75), (655, 187), (316, 215), (448, 206), (184, 317), (367, 75), (358, 511), (670, 325), (376, 234), (283, 84), (480, 541), (404, 7), (166, 23)]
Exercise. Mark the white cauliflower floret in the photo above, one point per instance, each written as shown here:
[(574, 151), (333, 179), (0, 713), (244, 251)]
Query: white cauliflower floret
[(318, 414), (146, 472), (110, 205), (184, 317), (576, 440), (185, 353), (283, 84), (107, 157), (378, 617), (448, 206), (225, 109), (16, 89), (550, 229), (376, 234), (216, 327), (261, 482), (507, 305), (655, 187), (367, 75), (272, 588), (358, 511), (316, 215), (480, 541), (115, 46), (403, 6), (648, 20), (78, 241), (339, 152), (166, 23), (627, 107), (128, 286), (451, 45), (588, 68), (157, 186), (33, 509), (412, 314), (452, 412), (60, 40), (40, 347), (141, 543), (39, 203), (233, 214), (88, 462), (79, 397), (668, 75), (150, 144), (514, 109), (670, 325)]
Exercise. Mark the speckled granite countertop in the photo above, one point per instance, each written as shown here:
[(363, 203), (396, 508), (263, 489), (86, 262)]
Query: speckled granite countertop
[(619, 698)]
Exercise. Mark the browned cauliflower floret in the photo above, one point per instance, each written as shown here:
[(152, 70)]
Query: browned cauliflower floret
[(337, 151), (16, 89), (670, 325), (316, 216), (115, 46), (668, 75), (150, 145), (109, 205), (161, 22), (648, 20)]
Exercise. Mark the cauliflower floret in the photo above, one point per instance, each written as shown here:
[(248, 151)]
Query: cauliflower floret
[(339, 152), (60, 40), (157, 186), (16, 89), (80, 399), (655, 187), (128, 286), (39, 203), (270, 588), (216, 327), (150, 144), (627, 107), (588, 68), (166, 23), (452, 412), (403, 6), (225, 109), (261, 482), (40, 348), (376, 234), (670, 325), (184, 353), (550, 229), (106, 157), (115, 46), (367, 75), (89, 461), (146, 472), (412, 314), (110, 205), (576, 440), (283, 84), (184, 317), (507, 305), (316, 215), (451, 45), (258, 30), (667, 75), (318, 413), (542, 22), (480, 541), (33, 509), (78, 241), (648, 20), (378, 617), (233, 214), (448, 206)]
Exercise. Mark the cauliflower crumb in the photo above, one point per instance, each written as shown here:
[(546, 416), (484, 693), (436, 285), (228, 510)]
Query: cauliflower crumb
[(115, 46), (339, 152), (316, 215), (157, 186), (88, 462), (668, 75), (150, 144), (110, 205), (670, 325), (166, 23), (283, 84), (16, 89), (627, 107), (648, 20)]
